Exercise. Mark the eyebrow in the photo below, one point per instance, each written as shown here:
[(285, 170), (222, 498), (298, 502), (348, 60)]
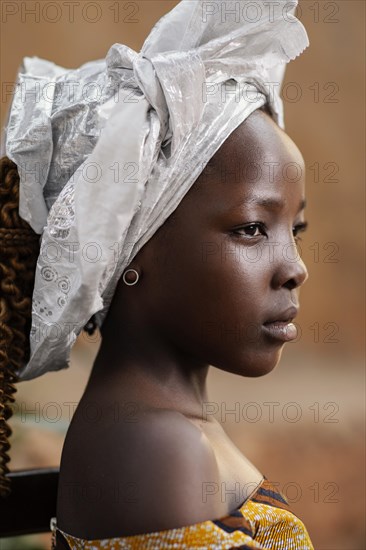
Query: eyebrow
[(269, 202)]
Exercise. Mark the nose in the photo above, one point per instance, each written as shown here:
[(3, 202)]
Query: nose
[(291, 271)]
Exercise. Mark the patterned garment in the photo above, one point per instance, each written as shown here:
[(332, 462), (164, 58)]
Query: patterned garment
[(263, 522)]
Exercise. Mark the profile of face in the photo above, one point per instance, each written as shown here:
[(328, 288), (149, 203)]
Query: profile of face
[(226, 261)]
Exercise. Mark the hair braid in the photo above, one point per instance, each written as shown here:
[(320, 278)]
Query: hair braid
[(19, 246)]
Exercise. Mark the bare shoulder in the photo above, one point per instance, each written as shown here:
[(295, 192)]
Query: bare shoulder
[(146, 475)]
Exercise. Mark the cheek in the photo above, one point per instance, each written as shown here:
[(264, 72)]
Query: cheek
[(205, 296), (234, 278), (225, 271), (212, 307)]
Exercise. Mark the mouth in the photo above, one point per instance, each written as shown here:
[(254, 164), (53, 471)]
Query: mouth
[(285, 316), (281, 327)]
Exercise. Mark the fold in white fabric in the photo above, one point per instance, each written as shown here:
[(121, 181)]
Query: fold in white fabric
[(107, 151)]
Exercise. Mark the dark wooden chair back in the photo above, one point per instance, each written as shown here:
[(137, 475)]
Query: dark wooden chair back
[(31, 503)]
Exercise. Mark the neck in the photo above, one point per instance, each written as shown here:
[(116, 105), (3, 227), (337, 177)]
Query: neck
[(136, 364)]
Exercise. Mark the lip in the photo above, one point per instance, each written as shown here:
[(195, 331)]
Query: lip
[(286, 315), (281, 330), (281, 327)]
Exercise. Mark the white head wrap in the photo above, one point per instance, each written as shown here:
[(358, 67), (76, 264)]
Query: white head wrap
[(106, 152)]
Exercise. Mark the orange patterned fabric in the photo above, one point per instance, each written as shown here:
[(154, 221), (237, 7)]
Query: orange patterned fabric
[(263, 522)]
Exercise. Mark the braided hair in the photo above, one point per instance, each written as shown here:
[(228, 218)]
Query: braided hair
[(19, 250), (19, 246)]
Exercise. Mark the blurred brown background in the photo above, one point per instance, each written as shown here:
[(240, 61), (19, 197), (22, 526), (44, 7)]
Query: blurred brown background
[(312, 442)]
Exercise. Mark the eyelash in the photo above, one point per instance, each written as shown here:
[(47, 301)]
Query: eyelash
[(299, 228)]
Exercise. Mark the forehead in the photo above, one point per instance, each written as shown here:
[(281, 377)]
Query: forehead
[(257, 158), (258, 140)]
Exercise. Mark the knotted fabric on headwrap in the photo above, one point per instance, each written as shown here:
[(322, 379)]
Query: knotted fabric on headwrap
[(106, 152)]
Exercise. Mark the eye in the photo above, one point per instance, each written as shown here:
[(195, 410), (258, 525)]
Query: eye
[(251, 230), (299, 228)]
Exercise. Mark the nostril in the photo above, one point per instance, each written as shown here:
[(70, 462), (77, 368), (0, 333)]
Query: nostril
[(291, 284)]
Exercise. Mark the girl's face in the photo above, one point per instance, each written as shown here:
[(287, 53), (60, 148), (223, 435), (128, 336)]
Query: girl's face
[(227, 261)]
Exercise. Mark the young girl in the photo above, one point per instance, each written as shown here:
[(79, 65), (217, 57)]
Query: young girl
[(213, 258)]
